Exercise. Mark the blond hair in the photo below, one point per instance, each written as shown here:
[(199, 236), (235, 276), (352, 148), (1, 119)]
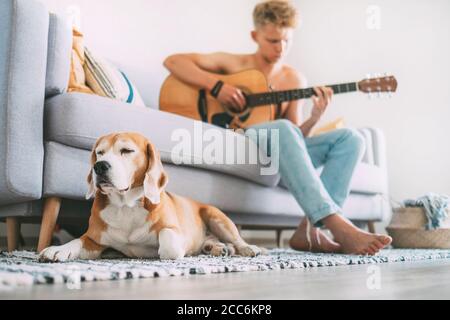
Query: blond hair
[(278, 12)]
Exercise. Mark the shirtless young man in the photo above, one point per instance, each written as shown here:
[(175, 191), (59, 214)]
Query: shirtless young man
[(339, 151)]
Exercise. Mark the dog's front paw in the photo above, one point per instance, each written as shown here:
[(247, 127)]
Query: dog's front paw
[(249, 251), (171, 254), (171, 246), (68, 251)]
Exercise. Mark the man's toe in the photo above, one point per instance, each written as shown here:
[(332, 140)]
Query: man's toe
[(374, 248), (378, 244), (386, 240)]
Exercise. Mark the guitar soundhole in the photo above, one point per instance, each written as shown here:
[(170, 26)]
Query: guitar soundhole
[(224, 119)]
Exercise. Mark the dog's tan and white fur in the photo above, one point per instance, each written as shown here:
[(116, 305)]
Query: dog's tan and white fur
[(134, 215)]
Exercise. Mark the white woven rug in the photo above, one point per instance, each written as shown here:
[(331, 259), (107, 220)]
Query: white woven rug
[(21, 268)]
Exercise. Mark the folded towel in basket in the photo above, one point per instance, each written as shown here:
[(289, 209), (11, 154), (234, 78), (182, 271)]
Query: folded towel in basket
[(435, 206)]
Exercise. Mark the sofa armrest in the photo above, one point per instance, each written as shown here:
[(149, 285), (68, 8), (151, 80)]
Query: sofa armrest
[(368, 153), (380, 160), (23, 59), (378, 147)]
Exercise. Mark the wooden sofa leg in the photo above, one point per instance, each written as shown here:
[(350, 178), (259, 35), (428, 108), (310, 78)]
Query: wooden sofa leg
[(371, 226), (279, 231), (49, 217), (12, 233)]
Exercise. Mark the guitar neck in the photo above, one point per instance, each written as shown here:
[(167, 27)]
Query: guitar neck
[(277, 97)]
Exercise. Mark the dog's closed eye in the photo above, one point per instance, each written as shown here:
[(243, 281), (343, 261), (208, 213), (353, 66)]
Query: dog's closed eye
[(126, 151)]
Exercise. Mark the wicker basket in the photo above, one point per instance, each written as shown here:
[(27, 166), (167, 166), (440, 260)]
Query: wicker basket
[(407, 229)]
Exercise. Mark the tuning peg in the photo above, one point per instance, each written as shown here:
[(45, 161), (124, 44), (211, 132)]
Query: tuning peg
[(378, 94), (369, 95), (389, 94), (368, 76)]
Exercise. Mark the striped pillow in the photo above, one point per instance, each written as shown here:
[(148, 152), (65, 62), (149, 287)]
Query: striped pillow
[(108, 81)]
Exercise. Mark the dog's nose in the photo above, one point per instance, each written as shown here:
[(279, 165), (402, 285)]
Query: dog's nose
[(101, 167)]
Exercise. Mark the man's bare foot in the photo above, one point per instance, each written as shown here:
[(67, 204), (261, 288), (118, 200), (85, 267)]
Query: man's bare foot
[(320, 242), (352, 239)]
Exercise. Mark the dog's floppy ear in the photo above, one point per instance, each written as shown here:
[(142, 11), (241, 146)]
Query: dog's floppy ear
[(92, 189), (156, 178)]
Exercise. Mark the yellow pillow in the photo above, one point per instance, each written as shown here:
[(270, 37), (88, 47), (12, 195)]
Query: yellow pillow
[(330, 126), (77, 80)]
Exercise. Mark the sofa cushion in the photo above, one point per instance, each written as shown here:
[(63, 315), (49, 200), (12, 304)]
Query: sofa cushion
[(369, 178), (77, 78), (77, 120), (244, 200), (226, 191), (107, 80), (58, 56)]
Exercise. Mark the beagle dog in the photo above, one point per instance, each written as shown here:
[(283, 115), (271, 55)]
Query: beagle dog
[(133, 214)]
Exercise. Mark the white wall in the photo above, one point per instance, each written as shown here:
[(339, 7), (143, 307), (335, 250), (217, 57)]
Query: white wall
[(332, 45)]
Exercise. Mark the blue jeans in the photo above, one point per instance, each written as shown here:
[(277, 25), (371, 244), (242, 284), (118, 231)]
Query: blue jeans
[(338, 152)]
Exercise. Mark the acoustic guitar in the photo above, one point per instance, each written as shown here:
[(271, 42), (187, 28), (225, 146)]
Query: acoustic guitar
[(261, 103)]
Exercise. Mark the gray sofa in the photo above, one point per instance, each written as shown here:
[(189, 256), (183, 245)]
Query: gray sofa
[(47, 135)]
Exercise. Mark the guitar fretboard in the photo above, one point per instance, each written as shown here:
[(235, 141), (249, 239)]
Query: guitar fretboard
[(277, 97)]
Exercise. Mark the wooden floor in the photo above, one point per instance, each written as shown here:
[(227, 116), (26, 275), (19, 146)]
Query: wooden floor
[(402, 280)]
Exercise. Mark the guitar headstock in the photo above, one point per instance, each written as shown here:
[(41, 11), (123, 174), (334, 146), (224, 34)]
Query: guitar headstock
[(378, 84)]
